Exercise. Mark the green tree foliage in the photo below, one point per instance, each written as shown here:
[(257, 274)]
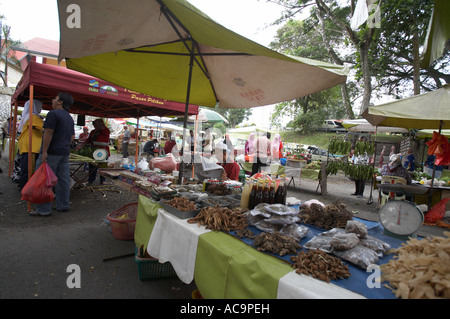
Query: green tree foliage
[(235, 116)]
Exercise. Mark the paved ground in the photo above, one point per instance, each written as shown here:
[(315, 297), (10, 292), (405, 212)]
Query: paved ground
[(37, 251)]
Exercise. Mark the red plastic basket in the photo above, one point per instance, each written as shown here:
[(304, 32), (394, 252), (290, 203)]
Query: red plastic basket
[(123, 228)]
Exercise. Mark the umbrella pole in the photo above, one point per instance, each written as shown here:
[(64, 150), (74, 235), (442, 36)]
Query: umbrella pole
[(195, 144), (186, 111), (137, 142), (30, 138)]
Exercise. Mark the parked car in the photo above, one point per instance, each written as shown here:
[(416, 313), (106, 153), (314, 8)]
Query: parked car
[(332, 126), (318, 154)]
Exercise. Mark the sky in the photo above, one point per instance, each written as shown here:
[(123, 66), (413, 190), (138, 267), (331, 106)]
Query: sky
[(250, 18)]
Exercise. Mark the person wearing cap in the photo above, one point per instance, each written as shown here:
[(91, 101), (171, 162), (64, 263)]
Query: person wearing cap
[(231, 168), (395, 168), (83, 136)]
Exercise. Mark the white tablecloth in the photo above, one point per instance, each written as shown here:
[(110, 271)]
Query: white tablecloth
[(175, 240)]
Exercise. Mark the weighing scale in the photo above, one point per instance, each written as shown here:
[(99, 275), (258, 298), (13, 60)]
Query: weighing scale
[(100, 154), (401, 219)]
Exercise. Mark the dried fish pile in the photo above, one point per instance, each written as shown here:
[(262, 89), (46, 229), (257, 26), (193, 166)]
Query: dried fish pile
[(220, 218), (181, 203), (328, 217), (276, 243), (320, 265), (421, 269)]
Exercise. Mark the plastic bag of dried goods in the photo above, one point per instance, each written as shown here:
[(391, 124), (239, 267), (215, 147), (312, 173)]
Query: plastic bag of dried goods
[(356, 227), (343, 241)]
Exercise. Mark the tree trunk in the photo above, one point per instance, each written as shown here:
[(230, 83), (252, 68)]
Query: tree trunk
[(416, 62), (364, 54)]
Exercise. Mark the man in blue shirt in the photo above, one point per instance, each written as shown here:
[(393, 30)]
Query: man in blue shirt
[(59, 133)]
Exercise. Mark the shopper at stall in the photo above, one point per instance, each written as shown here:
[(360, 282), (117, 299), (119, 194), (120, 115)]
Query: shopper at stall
[(151, 148), (231, 168), (5, 130), (250, 145), (410, 161), (262, 153), (59, 133), (276, 147), (171, 144), (125, 141), (360, 159), (395, 168), (24, 138), (99, 138)]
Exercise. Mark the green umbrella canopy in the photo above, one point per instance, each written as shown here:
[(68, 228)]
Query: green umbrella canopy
[(438, 33), (424, 111), (149, 45)]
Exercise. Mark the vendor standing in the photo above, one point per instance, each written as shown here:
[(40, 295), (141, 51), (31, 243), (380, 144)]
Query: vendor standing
[(231, 168), (99, 138), (125, 141), (170, 145)]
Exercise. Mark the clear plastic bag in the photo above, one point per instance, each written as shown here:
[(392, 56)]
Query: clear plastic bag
[(380, 247), (344, 241), (356, 227), (332, 232), (260, 209), (267, 227), (282, 219), (359, 255), (294, 230), (280, 209), (320, 242)]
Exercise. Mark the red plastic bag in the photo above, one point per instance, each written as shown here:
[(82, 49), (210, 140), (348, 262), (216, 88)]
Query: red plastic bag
[(167, 163), (38, 189), (436, 212)]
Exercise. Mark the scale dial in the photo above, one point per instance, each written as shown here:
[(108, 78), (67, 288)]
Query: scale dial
[(400, 217)]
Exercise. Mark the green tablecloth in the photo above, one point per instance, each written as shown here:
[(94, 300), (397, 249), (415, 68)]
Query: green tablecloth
[(226, 267), (145, 220)]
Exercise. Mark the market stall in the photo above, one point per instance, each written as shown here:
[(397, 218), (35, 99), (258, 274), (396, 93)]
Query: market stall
[(226, 266), (410, 113), (92, 96)]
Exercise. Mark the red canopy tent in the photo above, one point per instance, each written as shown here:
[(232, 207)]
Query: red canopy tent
[(92, 97)]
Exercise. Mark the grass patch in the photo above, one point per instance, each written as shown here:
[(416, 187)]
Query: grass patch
[(322, 139)]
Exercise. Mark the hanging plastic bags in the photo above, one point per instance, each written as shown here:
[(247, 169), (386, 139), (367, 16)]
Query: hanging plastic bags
[(440, 147), (38, 189)]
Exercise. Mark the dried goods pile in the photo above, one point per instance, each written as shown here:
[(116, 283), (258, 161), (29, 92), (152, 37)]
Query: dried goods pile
[(276, 243), (328, 217), (181, 203), (241, 233), (220, 218), (320, 265), (421, 269)]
